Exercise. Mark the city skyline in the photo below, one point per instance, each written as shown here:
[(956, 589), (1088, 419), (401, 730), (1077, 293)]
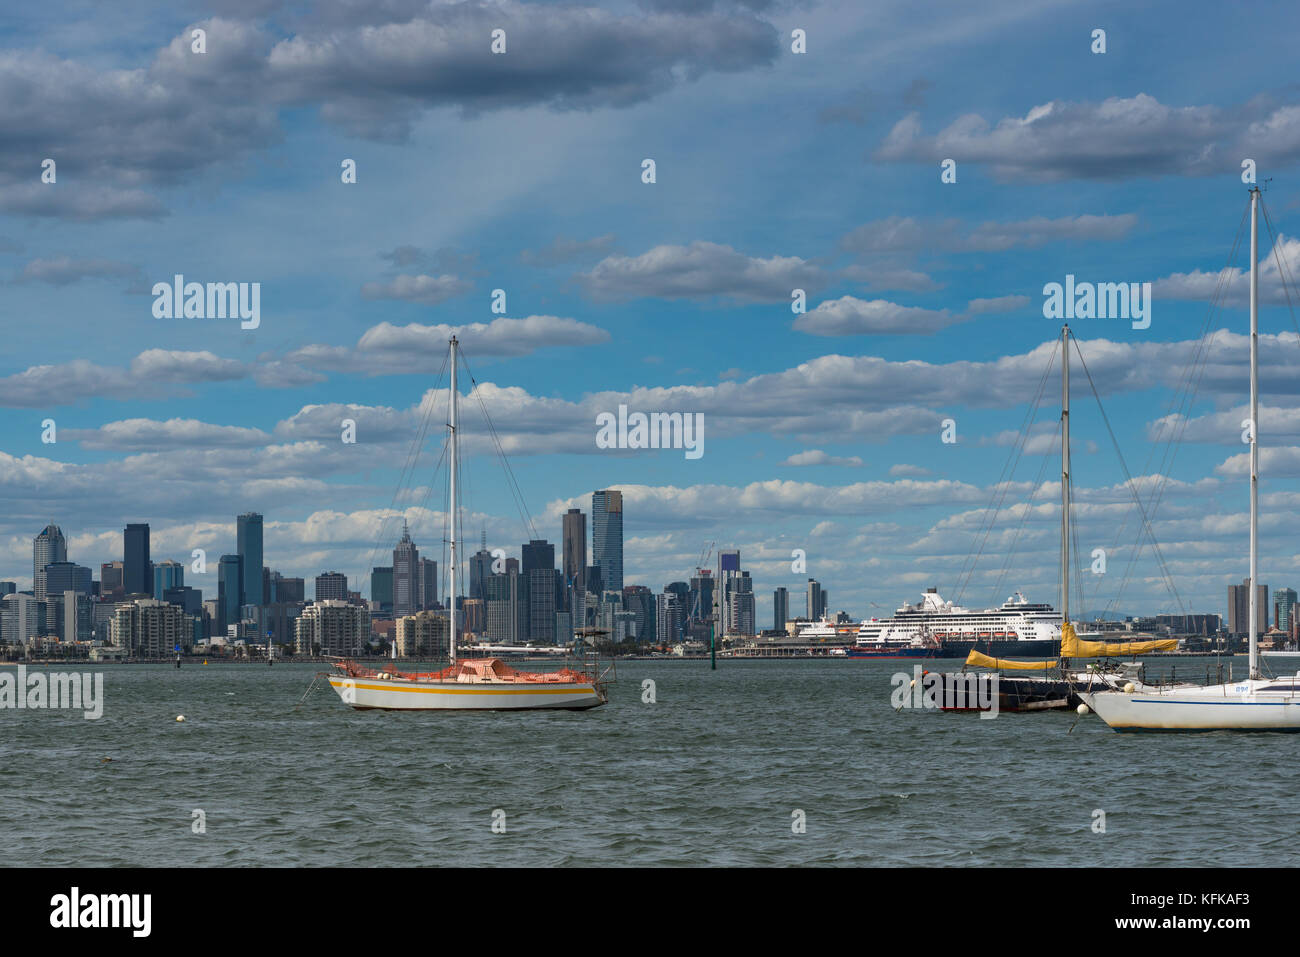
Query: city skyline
[(924, 298)]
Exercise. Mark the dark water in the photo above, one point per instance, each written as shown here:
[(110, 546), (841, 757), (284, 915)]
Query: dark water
[(709, 774)]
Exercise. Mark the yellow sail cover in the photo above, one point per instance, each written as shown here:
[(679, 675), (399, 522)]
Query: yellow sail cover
[(984, 661), (1073, 647)]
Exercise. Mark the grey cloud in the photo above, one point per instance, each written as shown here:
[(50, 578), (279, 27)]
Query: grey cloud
[(701, 270), (428, 290), (905, 234), (64, 270), (1118, 138), (562, 250)]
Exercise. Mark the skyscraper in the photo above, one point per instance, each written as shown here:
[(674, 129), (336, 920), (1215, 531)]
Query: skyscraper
[(331, 586), (111, 580), (729, 561), (506, 611), (575, 556), (780, 608), (1284, 601), (538, 562), (639, 600), (249, 530), (406, 586), (480, 567), (816, 600), (229, 582), (607, 537), (426, 570), (48, 547), (63, 577), (137, 573), (168, 574), (381, 589), (1239, 608)]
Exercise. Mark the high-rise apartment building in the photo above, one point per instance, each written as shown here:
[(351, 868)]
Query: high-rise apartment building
[(607, 537), (816, 600), (1239, 608), (332, 627), (1284, 602), (780, 608), (249, 546)]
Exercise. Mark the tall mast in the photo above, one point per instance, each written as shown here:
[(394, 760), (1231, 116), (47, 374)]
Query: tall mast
[(1254, 431), (451, 425), (1065, 476)]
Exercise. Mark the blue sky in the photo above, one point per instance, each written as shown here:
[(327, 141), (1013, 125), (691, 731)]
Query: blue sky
[(522, 172)]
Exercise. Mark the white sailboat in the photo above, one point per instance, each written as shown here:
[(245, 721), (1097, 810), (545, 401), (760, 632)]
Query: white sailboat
[(474, 684), (1255, 703)]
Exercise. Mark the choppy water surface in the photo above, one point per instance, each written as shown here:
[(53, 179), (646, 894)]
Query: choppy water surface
[(709, 774)]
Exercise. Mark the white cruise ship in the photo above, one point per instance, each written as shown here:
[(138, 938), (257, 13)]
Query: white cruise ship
[(1018, 628)]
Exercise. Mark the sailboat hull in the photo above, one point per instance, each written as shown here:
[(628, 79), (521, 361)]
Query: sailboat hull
[(369, 693), (1237, 707)]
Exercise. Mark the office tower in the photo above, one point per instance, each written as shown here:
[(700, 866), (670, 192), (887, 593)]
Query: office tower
[(595, 583), (406, 586), (575, 555), (331, 585), (422, 635), (426, 575), (473, 617), (148, 628), (381, 589), (506, 608), (480, 567), (729, 561), (670, 617), (640, 600), (1239, 608), (607, 537), (47, 548), (291, 590), (249, 546), (137, 577), (1284, 601), (538, 563), (66, 576), (8, 588), (229, 582), (780, 608), (190, 599), (168, 574), (112, 583), (816, 599), (332, 627)]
